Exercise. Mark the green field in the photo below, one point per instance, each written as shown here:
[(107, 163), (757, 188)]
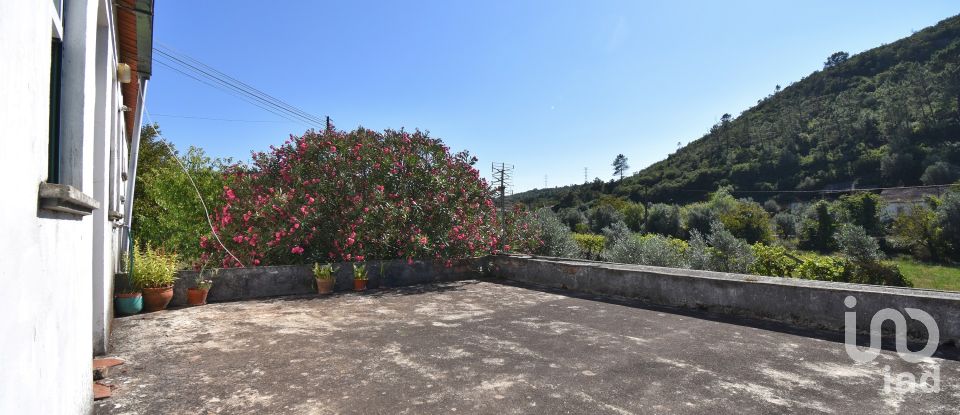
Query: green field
[(934, 277)]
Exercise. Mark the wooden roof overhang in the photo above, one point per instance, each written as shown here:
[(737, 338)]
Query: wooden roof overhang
[(134, 20)]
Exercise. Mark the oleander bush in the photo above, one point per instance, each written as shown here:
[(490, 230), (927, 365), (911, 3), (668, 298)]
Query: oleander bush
[(352, 196)]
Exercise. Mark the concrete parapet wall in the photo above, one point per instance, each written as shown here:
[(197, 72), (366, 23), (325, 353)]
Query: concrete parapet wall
[(258, 282), (815, 304)]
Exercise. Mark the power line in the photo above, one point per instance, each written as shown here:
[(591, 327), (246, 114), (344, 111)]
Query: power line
[(235, 94), (862, 189), (212, 77), (247, 87), (204, 70), (261, 101), (214, 119)]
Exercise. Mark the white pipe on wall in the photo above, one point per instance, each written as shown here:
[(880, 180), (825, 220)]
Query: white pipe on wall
[(132, 171)]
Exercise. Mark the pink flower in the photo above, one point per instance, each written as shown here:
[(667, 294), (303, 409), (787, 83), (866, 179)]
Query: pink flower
[(296, 250), (506, 247)]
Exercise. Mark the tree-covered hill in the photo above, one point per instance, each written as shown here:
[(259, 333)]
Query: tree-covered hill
[(885, 117)]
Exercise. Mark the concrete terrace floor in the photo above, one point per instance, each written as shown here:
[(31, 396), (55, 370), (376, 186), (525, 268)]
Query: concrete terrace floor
[(490, 347)]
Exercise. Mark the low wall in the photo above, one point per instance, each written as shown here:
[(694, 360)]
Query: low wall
[(815, 304), (258, 282)]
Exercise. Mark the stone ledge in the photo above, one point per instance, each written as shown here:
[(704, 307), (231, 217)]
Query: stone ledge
[(804, 303), (235, 284), (67, 199)]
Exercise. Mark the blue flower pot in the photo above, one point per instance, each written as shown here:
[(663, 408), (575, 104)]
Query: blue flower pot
[(128, 304)]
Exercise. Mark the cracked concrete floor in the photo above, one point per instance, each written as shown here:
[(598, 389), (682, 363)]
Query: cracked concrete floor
[(490, 347)]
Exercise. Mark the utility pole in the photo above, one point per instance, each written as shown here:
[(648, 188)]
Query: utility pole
[(502, 180), (584, 175), (328, 123)]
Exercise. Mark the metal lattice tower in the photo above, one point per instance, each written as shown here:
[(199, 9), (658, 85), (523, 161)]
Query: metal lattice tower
[(502, 182)]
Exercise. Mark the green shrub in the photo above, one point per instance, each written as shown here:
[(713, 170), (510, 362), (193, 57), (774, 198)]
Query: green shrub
[(603, 216), (786, 224), (590, 245), (698, 217), (698, 251), (917, 230), (720, 251), (616, 232), (823, 268), (729, 254), (747, 220), (650, 249), (153, 268), (773, 261), (856, 244), (948, 220), (877, 273), (819, 226), (663, 219), (556, 236), (633, 216), (863, 209), (573, 218)]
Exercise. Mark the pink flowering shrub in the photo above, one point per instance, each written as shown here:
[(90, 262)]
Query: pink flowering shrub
[(338, 196)]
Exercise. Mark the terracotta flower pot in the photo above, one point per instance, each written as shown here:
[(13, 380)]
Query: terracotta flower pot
[(156, 299), (359, 285), (325, 285), (197, 296)]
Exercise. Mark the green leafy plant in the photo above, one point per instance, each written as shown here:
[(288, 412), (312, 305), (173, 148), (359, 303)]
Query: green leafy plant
[(649, 249), (823, 268), (360, 272), (773, 261), (590, 245), (325, 271), (153, 268), (203, 280)]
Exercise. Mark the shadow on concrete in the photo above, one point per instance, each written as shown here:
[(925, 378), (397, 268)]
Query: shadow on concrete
[(947, 351)]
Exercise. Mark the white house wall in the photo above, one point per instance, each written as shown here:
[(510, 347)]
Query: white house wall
[(55, 308)]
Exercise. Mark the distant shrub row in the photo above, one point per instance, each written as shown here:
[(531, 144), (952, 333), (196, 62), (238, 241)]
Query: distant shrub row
[(719, 250)]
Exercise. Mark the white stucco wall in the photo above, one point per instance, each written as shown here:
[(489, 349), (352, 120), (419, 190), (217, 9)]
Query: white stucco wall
[(47, 301)]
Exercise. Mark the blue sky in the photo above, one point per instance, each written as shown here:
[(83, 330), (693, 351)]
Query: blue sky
[(549, 86)]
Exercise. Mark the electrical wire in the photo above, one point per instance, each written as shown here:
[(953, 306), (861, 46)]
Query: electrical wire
[(214, 119), (235, 94), (196, 189), (173, 52), (183, 61)]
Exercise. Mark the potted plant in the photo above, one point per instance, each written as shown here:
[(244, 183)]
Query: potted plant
[(197, 295), (359, 277), (324, 276), (128, 303), (128, 300), (154, 272)]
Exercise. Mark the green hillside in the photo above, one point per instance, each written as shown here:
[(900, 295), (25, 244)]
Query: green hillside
[(888, 116)]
